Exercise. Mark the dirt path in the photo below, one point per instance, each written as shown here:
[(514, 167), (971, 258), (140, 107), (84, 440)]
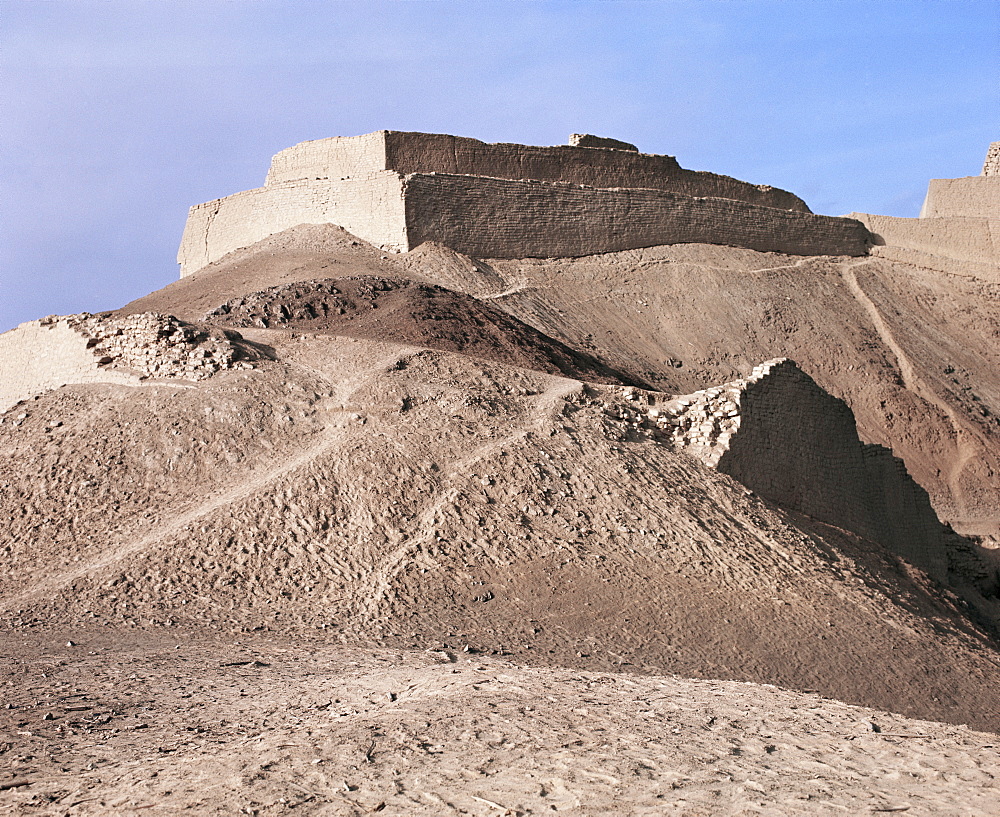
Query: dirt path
[(248, 485), (965, 449)]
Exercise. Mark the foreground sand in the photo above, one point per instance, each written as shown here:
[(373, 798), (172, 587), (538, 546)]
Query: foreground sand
[(166, 723)]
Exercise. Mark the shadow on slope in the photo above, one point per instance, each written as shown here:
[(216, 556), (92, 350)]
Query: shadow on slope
[(413, 313)]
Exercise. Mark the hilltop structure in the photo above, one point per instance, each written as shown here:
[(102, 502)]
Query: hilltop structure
[(959, 221), (397, 190)]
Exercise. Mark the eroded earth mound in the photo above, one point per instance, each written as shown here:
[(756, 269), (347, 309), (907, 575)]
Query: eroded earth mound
[(572, 465)]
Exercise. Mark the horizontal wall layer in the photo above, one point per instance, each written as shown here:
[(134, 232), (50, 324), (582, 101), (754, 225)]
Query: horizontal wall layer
[(968, 197), (501, 218), (370, 207), (407, 153)]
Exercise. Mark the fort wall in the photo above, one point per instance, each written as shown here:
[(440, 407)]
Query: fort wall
[(974, 240), (369, 206), (991, 166), (502, 218), (408, 153), (968, 197), (781, 435), (39, 356), (397, 190)]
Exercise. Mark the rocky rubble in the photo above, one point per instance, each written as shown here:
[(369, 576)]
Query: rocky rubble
[(155, 345)]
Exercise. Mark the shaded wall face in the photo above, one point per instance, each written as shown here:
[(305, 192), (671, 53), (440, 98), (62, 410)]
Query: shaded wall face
[(798, 446), (409, 153), (406, 153), (497, 218)]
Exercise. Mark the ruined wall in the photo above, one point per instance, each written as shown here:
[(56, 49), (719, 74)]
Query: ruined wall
[(969, 197), (39, 356), (781, 435), (370, 207), (991, 167), (976, 240), (340, 157), (498, 218), (56, 351), (588, 140), (408, 153)]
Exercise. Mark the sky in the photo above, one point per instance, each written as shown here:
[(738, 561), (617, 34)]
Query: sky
[(116, 117)]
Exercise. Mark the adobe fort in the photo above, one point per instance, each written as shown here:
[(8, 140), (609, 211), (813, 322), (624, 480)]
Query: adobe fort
[(397, 190), (959, 222)]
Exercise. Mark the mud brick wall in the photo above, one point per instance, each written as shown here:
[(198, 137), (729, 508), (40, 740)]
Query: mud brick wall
[(498, 218), (991, 167), (968, 197), (407, 153), (781, 435), (976, 240), (43, 355), (369, 206), (39, 356)]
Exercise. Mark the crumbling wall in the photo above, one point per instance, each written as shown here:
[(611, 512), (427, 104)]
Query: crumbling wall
[(588, 140), (991, 167), (782, 436), (339, 158), (42, 355), (56, 351), (370, 207), (499, 218)]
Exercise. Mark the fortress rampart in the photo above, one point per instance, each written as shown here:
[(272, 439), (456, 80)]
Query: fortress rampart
[(486, 217), (397, 190), (409, 153), (959, 221), (781, 435)]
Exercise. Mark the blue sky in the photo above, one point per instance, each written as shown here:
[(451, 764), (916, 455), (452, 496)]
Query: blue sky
[(115, 117)]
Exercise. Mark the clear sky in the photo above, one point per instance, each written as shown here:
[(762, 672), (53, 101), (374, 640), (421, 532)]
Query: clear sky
[(115, 117)]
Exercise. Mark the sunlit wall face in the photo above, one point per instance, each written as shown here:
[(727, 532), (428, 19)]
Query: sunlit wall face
[(120, 115)]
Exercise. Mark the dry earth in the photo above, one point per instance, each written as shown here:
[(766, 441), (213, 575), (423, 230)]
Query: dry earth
[(158, 724), (381, 483)]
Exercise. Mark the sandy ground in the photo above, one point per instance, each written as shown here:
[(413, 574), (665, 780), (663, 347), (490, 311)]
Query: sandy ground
[(153, 723)]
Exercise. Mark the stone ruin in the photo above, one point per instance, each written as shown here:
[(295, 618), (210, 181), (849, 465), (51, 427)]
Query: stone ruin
[(398, 190), (991, 167), (42, 355), (781, 435)]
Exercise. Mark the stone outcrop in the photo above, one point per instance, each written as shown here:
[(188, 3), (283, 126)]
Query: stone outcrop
[(778, 433), (959, 221), (398, 190), (56, 351)]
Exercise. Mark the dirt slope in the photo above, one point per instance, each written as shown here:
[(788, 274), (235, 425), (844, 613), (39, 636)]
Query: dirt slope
[(405, 311), (915, 352), (379, 492)]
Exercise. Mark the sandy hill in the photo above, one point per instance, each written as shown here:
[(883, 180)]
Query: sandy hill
[(292, 473)]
